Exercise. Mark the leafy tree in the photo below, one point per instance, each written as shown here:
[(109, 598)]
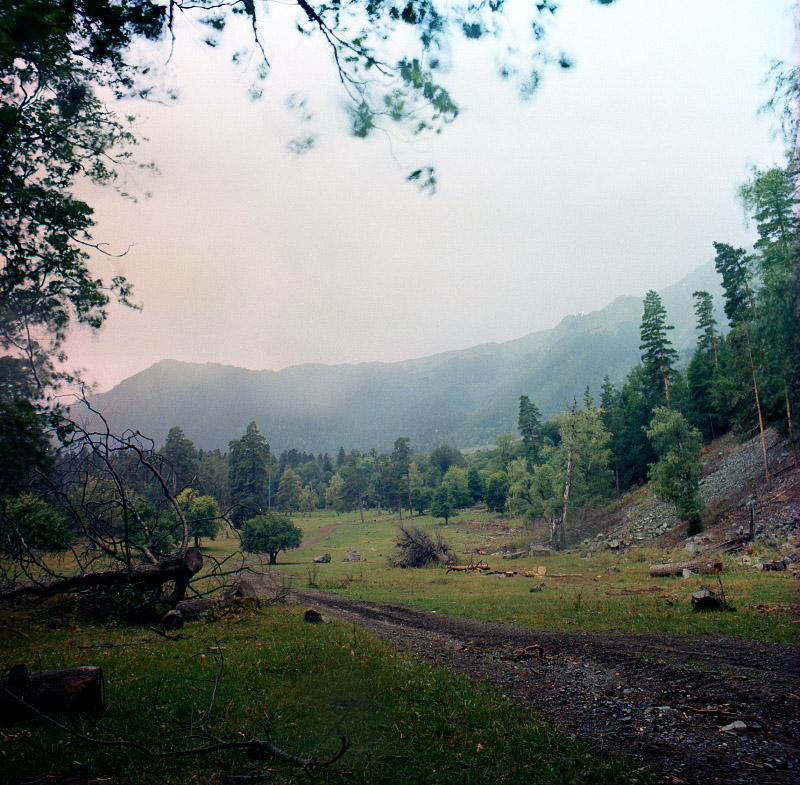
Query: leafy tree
[(182, 457), (442, 505), (201, 513), (503, 452), (24, 446), (530, 428), (30, 523), (421, 499), (476, 485), (497, 487), (658, 355), (676, 474), (401, 461), (289, 491), (213, 475), (457, 484), (308, 499), (247, 474), (356, 471), (334, 494), (270, 534), (445, 456), (53, 59)]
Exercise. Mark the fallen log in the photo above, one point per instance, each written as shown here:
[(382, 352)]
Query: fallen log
[(180, 568), (666, 569), (72, 691), (188, 610), (467, 567)]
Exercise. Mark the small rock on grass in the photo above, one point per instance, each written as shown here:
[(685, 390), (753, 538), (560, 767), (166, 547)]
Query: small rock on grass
[(315, 617)]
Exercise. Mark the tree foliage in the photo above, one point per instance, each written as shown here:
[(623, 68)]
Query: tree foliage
[(676, 474), (270, 534)]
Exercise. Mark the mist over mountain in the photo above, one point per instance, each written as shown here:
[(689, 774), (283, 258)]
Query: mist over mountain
[(463, 398)]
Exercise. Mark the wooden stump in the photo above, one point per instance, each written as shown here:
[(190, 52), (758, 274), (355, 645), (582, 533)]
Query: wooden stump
[(72, 691)]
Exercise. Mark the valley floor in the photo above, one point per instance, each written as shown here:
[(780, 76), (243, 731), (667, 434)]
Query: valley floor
[(659, 699)]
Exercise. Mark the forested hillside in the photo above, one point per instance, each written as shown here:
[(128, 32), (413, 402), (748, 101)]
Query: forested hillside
[(463, 398)]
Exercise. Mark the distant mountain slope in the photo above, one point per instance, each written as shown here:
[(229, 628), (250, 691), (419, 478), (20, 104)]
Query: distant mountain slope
[(464, 398)]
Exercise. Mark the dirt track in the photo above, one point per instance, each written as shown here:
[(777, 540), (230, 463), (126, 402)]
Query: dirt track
[(660, 700)]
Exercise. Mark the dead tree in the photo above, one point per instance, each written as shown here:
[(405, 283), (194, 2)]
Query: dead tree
[(124, 532), (416, 548)]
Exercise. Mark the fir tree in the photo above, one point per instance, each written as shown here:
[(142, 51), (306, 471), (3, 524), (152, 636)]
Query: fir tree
[(658, 355)]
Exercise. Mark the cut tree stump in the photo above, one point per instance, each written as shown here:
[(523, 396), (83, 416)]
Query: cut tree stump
[(677, 568), (72, 691)]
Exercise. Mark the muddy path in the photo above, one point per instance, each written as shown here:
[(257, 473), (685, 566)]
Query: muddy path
[(660, 700)]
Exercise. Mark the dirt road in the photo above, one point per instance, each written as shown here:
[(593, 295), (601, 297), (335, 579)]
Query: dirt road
[(661, 700)]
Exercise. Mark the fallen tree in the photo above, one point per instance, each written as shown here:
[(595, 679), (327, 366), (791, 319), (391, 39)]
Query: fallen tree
[(180, 567), (666, 569)]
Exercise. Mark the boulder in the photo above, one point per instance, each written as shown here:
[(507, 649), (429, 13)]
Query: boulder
[(352, 555), (323, 559)]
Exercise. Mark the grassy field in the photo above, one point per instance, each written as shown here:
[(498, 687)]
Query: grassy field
[(408, 721), (611, 592)]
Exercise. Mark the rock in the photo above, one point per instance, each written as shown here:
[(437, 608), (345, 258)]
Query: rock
[(737, 726), (324, 559), (614, 545), (690, 547), (687, 573), (352, 555), (707, 600)]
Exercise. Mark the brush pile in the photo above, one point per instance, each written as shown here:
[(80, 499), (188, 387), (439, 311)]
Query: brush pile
[(417, 548)]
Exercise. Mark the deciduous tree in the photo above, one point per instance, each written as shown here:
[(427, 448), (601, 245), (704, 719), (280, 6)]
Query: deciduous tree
[(270, 534)]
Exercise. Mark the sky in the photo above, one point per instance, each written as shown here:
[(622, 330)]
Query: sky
[(615, 178)]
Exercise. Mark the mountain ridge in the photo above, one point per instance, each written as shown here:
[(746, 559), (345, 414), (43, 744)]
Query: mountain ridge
[(464, 397)]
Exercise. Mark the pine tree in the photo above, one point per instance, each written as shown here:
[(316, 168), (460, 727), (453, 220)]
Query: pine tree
[(740, 308), (530, 428), (706, 323), (658, 355), (182, 457), (247, 474)]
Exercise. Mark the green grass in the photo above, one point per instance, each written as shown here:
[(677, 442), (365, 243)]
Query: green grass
[(408, 721), (615, 593)]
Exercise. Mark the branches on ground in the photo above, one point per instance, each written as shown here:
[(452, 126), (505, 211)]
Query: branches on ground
[(416, 548)]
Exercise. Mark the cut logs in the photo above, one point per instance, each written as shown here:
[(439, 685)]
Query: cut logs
[(72, 691), (676, 568)]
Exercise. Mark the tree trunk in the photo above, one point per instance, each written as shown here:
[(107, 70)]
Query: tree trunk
[(180, 567), (677, 568), (72, 691)]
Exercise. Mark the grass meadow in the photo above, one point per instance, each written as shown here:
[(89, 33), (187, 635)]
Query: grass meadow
[(253, 672), (604, 592)]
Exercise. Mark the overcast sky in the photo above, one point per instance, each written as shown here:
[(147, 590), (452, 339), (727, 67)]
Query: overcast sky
[(614, 179)]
